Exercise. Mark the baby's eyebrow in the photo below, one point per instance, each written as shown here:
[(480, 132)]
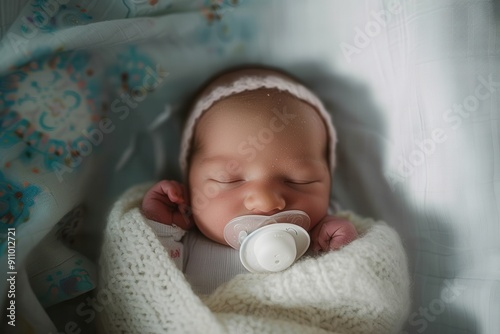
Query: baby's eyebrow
[(218, 158), (315, 166), (304, 162)]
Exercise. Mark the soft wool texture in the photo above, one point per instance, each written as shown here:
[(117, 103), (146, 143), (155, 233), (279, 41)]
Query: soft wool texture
[(362, 288)]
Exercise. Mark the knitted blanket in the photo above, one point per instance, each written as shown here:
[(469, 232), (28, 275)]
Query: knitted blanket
[(361, 288)]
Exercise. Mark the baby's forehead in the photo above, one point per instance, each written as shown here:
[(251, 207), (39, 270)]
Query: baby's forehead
[(264, 118), (259, 96), (241, 100), (260, 109), (260, 103)]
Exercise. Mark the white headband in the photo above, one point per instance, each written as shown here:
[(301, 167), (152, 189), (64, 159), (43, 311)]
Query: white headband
[(249, 83)]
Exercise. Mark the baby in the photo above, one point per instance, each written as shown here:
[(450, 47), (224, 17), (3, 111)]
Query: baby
[(256, 143)]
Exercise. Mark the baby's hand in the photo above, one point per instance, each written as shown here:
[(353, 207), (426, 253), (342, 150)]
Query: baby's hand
[(166, 203), (332, 233)]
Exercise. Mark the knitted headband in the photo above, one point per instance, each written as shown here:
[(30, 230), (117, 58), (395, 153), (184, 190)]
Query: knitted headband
[(247, 80)]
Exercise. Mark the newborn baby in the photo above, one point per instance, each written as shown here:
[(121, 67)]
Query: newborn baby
[(256, 143)]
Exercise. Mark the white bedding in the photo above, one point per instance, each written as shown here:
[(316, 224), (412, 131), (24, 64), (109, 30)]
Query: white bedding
[(394, 77)]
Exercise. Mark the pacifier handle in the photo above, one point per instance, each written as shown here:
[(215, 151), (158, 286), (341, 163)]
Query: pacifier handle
[(275, 250), (274, 247)]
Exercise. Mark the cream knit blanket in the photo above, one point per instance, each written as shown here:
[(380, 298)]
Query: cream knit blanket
[(362, 288)]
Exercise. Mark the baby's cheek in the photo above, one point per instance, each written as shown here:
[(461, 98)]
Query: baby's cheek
[(316, 221), (316, 208), (212, 217)]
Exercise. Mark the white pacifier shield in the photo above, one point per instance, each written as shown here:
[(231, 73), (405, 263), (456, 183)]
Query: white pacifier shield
[(273, 248), (240, 227)]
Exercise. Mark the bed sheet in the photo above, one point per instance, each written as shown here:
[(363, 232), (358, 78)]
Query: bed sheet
[(92, 94)]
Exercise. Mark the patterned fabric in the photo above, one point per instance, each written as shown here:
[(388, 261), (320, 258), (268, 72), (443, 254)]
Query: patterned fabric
[(16, 201), (62, 105), (50, 105)]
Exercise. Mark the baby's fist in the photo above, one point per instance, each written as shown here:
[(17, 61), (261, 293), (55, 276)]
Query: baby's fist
[(166, 203), (332, 233)]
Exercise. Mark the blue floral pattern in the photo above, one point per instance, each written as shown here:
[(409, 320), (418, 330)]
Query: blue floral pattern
[(52, 99), (16, 201), (49, 104), (129, 71), (66, 281), (224, 34), (48, 18)]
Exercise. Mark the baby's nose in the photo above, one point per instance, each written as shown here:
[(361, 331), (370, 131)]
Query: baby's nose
[(264, 200)]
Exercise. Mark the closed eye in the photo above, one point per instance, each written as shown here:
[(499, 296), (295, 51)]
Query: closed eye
[(301, 182), (226, 181)]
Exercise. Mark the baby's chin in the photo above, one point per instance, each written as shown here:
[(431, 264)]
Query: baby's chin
[(215, 238)]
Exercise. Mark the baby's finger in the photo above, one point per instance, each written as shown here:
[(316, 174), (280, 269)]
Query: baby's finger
[(178, 220), (175, 192), (156, 209), (315, 246), (342, 236), (325, 239), (186, 215)]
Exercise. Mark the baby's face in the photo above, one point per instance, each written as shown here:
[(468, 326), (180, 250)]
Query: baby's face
[(258, 152)]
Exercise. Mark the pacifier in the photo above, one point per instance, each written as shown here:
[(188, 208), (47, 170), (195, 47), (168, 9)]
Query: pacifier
[(269, 243)]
